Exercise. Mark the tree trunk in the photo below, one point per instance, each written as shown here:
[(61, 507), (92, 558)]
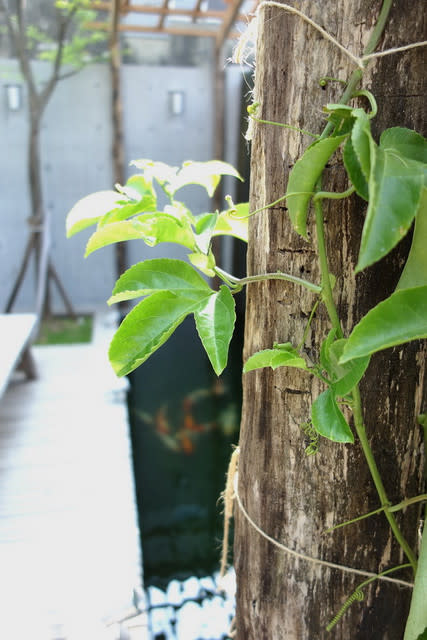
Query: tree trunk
[(37, 220), (291, 496), (117, 116)]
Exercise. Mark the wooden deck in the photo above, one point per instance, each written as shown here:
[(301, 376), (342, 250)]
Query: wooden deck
[(69, 544)]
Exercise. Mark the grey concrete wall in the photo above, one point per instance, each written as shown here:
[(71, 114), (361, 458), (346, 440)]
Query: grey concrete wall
[(76, 160), (75, 151)]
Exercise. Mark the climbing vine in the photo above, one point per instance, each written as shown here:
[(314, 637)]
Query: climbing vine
[(390, 175)]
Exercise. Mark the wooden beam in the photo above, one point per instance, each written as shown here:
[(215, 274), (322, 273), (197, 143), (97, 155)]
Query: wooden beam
[(196, 10), (163, 15), (177, 31), (191, 13), (230, 18)]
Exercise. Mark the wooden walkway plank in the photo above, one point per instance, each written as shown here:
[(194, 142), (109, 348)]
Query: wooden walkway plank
[(69, 541)]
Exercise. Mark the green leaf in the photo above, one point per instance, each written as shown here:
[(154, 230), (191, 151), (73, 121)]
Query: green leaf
[(167, 227), (400, 318), (416, 625), (146, 328), (159, 274), (123, 210), (206, 263), (328, 420), (163, 173), (345, 376), (115, 232), (89, 210), (215, 325), (395, 187), (204, 226), (139, 189), (206, 174), (405, 142), (361, 142), (342, 111), (151, 228), (324, 350), (284, 355), (234, 222), (303, 179), (414, 273), (140, 197), (354, 170)]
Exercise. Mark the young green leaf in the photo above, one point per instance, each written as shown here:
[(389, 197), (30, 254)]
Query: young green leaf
[(303, 179), (405, 142), (89, 210), (215, 320), (416, 626), (414, 273), (328, 420), (146, 328), (205, 174), (166, 227), (324, 351), (163, 173), (123, 211), (206, 263), (354, 170), (361, 142), (400, 318), (115, 232), (345, 376), (233, 222), (284, 355), (159, 274), (151, 228), (395, 187), (204, 226)]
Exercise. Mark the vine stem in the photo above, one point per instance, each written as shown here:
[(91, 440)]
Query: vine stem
[(357, 74), (349, 91), (357, 405), (395, 507), (376, 477), (227, 277), (327, 296)]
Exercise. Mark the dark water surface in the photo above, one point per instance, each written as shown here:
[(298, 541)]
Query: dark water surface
[(184, 421)]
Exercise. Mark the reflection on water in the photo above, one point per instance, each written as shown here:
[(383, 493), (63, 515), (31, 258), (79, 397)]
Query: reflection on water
[(184, 420), (193, 609)]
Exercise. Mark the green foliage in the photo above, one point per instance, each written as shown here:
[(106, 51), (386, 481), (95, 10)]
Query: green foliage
[(160, 274), (215, 320), (400, 318), (282, 355), (390, 176), (414, 273), (172, 289), (303, 179), (328, 419), (416, 627)]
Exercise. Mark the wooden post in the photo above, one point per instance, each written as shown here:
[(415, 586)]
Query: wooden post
[(291, 496)]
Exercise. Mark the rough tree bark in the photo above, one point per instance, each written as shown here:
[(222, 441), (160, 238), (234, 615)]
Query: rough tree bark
[(291, 496)]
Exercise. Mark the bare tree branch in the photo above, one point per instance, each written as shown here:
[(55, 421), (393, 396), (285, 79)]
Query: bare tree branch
[(17, 36), (64, 24)]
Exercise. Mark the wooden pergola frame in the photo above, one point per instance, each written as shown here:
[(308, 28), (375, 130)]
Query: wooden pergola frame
[(220, 29)]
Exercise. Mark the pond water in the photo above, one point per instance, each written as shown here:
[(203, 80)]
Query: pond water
[(184, 421)]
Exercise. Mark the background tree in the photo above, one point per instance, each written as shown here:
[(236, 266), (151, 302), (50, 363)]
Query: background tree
[(68, 46), (291, 496)]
